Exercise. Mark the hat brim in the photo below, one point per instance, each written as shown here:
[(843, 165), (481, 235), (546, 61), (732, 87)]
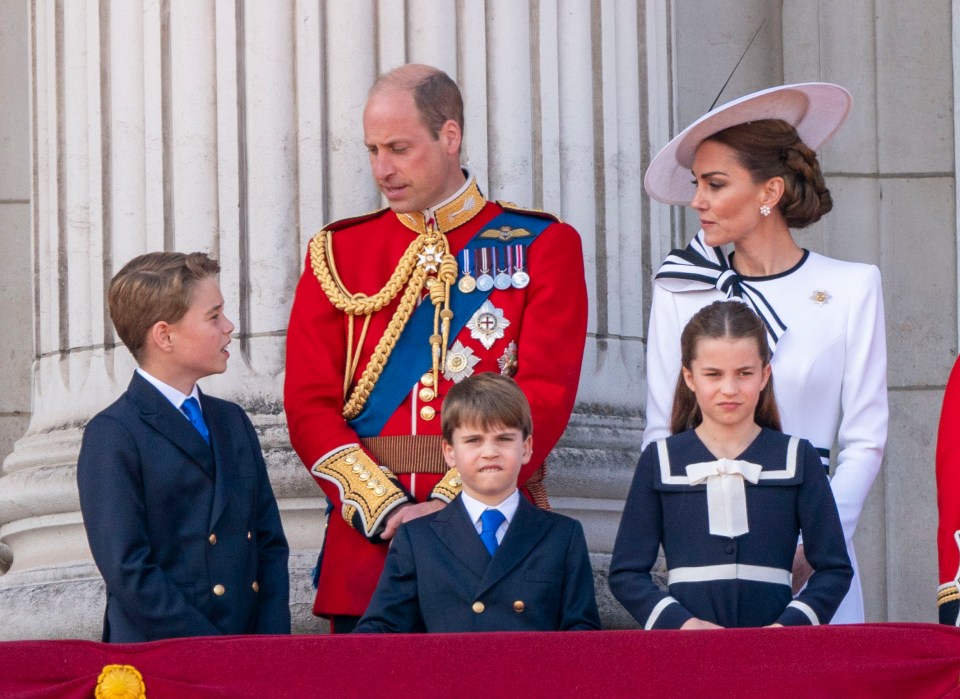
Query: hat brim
[(816, 110)]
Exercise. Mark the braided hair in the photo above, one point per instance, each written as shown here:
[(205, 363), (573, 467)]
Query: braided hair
[(772, 148)]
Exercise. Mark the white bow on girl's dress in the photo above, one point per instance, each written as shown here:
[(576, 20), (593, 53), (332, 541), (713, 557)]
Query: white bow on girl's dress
[(726, 496)]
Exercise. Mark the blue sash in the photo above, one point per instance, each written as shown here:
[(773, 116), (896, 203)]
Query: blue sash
[(409, 360)]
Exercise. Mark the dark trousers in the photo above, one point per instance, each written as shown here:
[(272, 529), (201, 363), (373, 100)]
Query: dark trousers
[(342, 623)]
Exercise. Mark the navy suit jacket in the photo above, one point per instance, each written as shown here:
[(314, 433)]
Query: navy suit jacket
[(186, 535), (438, 576)]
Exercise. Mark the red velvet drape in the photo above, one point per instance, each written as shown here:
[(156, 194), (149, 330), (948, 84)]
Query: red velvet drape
[(873, 660)]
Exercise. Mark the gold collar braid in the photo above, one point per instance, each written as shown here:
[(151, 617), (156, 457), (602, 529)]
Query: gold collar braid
[(426, 263), (450, 215)]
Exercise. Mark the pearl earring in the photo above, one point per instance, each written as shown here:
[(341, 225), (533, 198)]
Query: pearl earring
[(764, 210)]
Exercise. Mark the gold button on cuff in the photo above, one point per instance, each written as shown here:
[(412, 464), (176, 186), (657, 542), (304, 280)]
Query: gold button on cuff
[(256, 587), (350, 459), (427, 412), (364, 475), (357, 468), (519, 606), (456, 482), (478, 607), (218, 590), (380, 490), (212, 539), (427, 379)]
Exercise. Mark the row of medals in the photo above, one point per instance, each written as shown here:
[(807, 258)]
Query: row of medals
[(488, 261)]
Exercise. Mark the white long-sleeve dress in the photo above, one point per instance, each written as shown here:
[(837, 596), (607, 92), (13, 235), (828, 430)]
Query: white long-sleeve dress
[(829, 369)]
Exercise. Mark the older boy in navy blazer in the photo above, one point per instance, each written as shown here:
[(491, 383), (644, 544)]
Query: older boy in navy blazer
[(490, 560), (179, 512)]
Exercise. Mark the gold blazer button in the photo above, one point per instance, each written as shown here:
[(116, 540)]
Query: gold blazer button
[(478, 607), (256, 586), (519, 606), (212, 539), (219, 590)]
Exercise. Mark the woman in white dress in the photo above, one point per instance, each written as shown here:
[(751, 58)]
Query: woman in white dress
[(750, 172)]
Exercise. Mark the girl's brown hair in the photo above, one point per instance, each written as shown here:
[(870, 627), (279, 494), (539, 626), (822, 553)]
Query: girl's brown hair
[(721, 319)]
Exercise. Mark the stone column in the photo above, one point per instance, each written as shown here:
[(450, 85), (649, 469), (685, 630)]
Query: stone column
[(234, 128)]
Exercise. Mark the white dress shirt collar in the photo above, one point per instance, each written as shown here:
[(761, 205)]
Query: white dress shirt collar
[(175, 397), (475, 508)]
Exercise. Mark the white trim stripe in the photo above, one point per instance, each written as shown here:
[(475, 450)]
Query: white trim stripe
[(665, 476), (805, 608), (789, 472), (729, 571), (791, 466), (657, 611)]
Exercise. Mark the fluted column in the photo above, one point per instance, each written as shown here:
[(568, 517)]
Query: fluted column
[(234, 128)]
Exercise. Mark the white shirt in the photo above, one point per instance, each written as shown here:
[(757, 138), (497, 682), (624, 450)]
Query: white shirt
[(508, 508), (829, 371), (170, 393)]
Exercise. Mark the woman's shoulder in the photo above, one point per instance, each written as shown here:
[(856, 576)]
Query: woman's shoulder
[(843, 269)]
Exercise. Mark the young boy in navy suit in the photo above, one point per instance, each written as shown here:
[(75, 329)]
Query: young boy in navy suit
[(180, 516), (490, 560)]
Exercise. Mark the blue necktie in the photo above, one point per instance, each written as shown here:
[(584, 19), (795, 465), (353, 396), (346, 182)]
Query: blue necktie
[(490, 521), (191, 408)]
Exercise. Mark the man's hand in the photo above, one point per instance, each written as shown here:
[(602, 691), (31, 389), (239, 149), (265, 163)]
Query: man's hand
[(405, 513), (801, 570)]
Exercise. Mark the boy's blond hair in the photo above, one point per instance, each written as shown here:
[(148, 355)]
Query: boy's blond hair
[(486, 400), (154, 287)]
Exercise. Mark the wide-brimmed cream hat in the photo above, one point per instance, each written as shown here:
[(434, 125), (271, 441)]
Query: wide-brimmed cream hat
[(816, 110)]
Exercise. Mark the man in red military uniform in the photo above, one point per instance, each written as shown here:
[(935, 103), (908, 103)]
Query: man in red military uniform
[(948, 502), (396, 306)]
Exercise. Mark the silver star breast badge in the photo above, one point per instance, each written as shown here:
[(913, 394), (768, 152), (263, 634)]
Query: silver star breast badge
[(460, 363), (487, 324)]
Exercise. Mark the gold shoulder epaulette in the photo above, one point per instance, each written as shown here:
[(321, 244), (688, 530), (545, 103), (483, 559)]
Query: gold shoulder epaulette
[(342, 223), (510, 206)]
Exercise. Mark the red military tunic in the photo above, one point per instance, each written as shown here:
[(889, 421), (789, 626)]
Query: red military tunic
[(948, 500), (543, 345)]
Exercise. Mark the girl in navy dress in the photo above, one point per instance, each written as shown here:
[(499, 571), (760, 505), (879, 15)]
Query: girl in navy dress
[(727, 497)]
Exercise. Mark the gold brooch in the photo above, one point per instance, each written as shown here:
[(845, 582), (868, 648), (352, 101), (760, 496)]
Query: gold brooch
[(820, 297)]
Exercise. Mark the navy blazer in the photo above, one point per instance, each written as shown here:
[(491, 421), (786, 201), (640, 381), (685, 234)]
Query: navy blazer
[(186, 535), (438, 577)]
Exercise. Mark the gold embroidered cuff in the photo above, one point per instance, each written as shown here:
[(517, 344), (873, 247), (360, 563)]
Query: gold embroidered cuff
[(948, 592), (368, 492), (448, 488)]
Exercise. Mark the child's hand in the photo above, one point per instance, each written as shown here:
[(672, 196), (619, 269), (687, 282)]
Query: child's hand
[(696, 624), (801, 570)]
